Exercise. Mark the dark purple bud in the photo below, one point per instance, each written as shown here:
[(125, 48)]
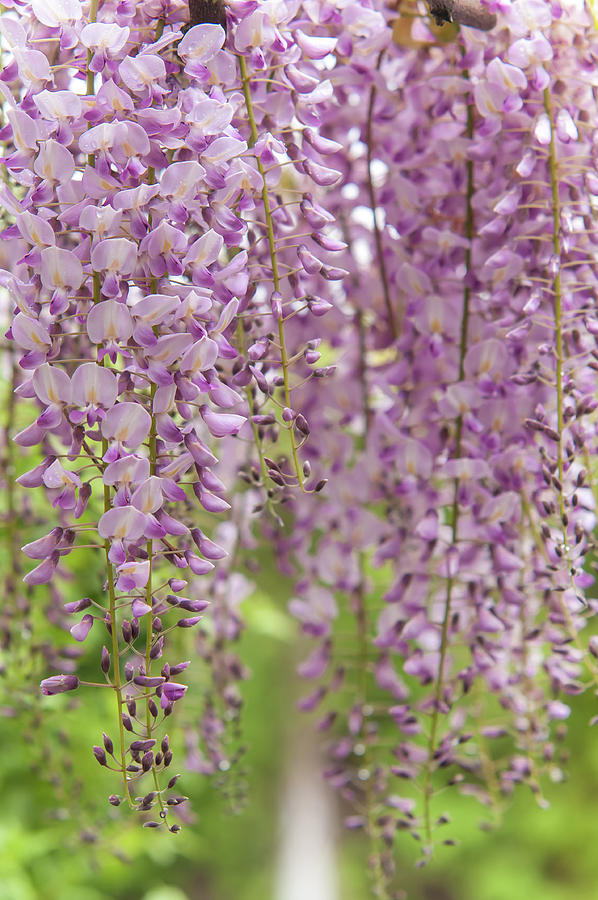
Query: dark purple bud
[(157, 624), (167, 758), (100, 755), (143, 746), (301, 424), (176, 801), (77, 605), (156, 651), (175, 828), (82, 499), (148, 680), (151, 824), (320, 485), (126, 630), (114, 800), (165, 746), (177, 584), (108, 744), (135, 629), (189, 623), (193, 605), (132, 707), (105, 661), (180, 667), (147, 761), (173, 781), (152, 708), (129, 671), (59, 684), (127, 724)]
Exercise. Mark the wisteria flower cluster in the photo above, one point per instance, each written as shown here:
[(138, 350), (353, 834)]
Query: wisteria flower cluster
[(329, 265), (138, 174)]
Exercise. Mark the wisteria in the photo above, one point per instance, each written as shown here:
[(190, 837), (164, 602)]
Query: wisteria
[(318, 276)]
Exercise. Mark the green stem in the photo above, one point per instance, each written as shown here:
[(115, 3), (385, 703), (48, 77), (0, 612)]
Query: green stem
[(469, 232), (284, 359), (557, 290), (394, 327), (117, 684), (560, 356), (379, 880), (116, 678)]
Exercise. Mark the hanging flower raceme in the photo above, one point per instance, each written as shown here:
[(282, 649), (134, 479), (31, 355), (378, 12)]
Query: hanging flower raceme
[(464, 344), (122, 321)]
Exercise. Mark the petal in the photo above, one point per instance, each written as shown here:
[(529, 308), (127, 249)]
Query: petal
[(123, 523), (127, 422)]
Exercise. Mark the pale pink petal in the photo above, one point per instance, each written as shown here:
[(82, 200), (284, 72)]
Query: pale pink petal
[(154, 308), (109, 321), (148, 496), (202, 355), (82, 628), (314, 47), (205, 250), (95, 385), (114, 255), (35, 230), (181, 179), (51, 384), (29, 333), (54, 162), (128, 470), (201, 43), (222, 425), (56, 12), (122, 523), (107, 37), (128, 423), (60, 269)]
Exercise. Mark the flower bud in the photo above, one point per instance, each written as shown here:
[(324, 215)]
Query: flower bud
[(59, 684)]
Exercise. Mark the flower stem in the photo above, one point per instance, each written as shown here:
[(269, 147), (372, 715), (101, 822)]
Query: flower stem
[(393, 325), (116, 683), (284, 359), (469, 232)]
